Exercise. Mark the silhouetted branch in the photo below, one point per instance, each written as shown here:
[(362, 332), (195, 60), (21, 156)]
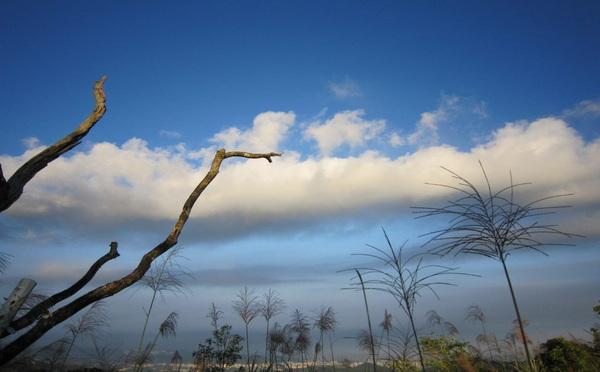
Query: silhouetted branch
[(43, 307)]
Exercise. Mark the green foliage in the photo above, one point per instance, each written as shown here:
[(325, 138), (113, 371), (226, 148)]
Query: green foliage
[(446, 354), (401, 365), (219, 352), (558, 354), (595, 330), (596, 339)]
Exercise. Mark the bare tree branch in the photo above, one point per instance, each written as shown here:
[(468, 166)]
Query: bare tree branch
[(249, 155), (46, 323), (12, 189), (43, 307)]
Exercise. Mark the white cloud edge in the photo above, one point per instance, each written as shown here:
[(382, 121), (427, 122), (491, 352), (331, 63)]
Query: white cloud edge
[(345, 89), (586, 108), (171, 134)]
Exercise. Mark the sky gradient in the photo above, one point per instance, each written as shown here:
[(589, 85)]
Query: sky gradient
[(366, 101)]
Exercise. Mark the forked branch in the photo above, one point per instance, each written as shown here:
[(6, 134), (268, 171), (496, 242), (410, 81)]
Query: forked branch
[(51, 320), (44, 306)]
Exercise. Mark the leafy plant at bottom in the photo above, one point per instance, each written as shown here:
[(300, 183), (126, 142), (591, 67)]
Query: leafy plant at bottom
[(218, 352), (595, 331), (558, 354), (446, 354)]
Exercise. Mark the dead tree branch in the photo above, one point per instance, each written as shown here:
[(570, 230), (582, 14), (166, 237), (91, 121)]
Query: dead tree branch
[(44, 306), (51, 320), (12, 189)]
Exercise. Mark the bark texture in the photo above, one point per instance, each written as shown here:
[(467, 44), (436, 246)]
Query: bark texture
[(14, 302)]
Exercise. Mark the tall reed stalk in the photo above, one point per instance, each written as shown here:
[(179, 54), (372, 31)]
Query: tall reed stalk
[(403, 279), (371, 339), (493, 224)]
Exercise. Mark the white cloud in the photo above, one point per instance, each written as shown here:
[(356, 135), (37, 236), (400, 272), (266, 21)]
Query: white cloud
[(134, 182), (584, 108), (450, 109), (426, 131), (267, 132), (169, 134), (344, 128), (345, 89), (480, 109), (396, 140), (31, 142)]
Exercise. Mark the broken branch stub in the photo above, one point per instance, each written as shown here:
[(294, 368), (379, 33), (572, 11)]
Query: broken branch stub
[(15, 301)]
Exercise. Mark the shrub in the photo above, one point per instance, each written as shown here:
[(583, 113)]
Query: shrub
[(560, 355), (218, 352), (446, 354)]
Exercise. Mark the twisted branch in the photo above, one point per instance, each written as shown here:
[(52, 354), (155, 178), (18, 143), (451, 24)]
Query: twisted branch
[(44, 306)]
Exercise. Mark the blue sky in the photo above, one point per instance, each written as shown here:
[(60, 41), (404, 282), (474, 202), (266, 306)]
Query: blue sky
[(203, 66), (365, 100)]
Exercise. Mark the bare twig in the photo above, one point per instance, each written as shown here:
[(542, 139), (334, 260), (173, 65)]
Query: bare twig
[(214, 314)]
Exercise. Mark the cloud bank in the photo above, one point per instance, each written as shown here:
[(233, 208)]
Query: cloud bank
[(136, 187)]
